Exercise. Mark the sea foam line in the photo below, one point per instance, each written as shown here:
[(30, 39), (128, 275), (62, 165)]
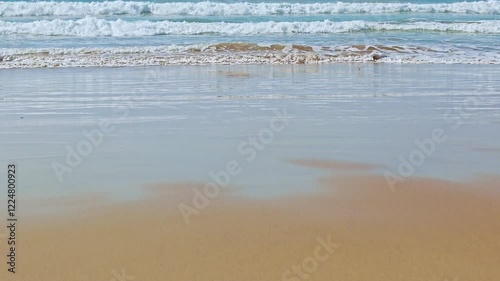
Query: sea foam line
[(238, 53), (95, 27), (22, 9), (291, 58)]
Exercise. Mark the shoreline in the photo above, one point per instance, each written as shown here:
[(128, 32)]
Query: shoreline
[(249, 141), (299, 60)]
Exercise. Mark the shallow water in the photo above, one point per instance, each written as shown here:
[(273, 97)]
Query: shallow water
[(178, 124)]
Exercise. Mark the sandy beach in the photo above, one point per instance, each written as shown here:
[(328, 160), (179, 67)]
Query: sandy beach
[(427, 229), (228, 140)]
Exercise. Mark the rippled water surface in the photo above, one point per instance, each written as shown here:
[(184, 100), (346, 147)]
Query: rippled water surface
[(179, 123)]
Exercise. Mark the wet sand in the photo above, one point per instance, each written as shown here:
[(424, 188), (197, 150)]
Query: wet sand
[(333, 165), (186, 121), (427, 229)]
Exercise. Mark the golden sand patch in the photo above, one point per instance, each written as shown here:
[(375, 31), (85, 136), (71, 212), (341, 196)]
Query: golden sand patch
[(426, 229), (234, 74)]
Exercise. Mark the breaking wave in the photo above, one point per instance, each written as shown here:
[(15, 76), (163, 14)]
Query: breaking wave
[(21, 9), (237, 53), (95, 27)]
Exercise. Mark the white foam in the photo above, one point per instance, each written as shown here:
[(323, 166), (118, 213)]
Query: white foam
[(19, 9), (95, 27), (209, 54)]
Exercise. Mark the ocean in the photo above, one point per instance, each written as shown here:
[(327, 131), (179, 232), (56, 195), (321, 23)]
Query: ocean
[(198, 78), (150, 33)]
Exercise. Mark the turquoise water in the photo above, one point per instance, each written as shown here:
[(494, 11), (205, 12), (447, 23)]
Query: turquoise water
[(115, 33)]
